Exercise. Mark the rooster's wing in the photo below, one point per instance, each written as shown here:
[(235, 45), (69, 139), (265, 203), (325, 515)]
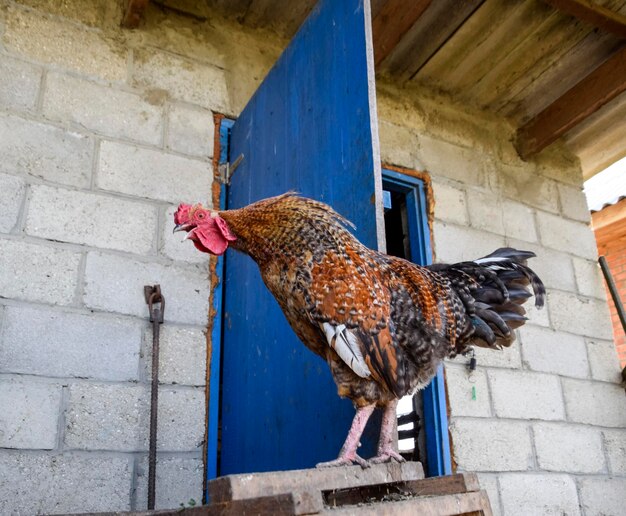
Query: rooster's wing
[(350, 301)]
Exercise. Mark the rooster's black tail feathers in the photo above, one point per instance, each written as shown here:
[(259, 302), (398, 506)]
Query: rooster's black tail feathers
[(493, 290)]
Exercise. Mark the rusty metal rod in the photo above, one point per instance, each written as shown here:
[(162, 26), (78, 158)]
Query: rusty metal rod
[(153, 296), (608, 277)]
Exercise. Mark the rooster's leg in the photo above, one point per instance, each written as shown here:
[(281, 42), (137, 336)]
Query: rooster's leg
[(386, 442), (348, 455)]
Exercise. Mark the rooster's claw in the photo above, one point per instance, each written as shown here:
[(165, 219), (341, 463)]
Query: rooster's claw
[(344, 460)]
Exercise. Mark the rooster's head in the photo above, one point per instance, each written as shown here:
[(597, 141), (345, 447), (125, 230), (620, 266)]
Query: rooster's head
[(205, 228)]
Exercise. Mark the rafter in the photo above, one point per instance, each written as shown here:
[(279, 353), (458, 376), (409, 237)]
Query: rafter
[(133, 14), (593, 14), (392, 22), (599, 87)]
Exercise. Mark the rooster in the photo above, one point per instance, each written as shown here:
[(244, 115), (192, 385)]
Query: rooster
[(382, 324)]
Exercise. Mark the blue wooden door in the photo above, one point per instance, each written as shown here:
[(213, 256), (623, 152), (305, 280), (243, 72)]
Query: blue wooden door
[(309, 128)]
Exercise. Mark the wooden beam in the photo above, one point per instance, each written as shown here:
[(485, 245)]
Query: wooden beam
[(392, 22), (593, 14), (133, 13), (602, 85)]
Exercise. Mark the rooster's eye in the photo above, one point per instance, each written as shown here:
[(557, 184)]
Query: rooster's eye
[(200, 215)]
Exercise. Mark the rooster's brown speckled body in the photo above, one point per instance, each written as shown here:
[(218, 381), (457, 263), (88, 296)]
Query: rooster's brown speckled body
[(382, 323)]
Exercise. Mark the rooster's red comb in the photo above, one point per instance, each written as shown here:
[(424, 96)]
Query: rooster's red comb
[(182, 214)]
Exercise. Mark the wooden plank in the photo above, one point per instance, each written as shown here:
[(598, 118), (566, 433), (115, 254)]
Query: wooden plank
[(392, 22), (593, 14), (435, 486), (599, 87), (133, 14), (454, 504), (427, 35), (234, 487), (609, 215)]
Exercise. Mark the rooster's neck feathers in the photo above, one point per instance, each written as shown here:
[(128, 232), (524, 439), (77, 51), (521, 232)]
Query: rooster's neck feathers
[(273, 227)]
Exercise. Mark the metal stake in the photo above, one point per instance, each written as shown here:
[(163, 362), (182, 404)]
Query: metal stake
[(153, 296)]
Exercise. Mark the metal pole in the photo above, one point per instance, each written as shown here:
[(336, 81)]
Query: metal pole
[(613, 290), (153, 296)]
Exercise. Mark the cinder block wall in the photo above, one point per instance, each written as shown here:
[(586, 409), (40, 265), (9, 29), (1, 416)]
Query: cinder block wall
[(102, 132), (547, 428)]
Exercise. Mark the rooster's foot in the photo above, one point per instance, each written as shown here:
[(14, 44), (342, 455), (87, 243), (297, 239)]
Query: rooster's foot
[(387, 456), (345, 460)]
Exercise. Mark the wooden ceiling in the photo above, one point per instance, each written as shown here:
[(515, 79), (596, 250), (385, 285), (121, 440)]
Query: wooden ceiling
[(553, 67)]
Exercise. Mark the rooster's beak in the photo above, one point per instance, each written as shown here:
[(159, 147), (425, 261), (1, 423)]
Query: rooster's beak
[(180, 227)]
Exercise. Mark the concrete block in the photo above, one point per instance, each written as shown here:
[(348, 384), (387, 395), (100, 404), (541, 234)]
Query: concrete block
[(45, 152), (116, 417), (91, 219), (603, 360), (29, 414), (519, 221), (553, 267), (589, 278), (584, 316), (90, 14), (467, 396), (38, 272), (491, 445), (571, 448), (66, 45), (455, 243), (19, 84), (116, 284), (524, 185), (173, 246), (524, 494), (558, 162), (60, 484), (112, 112), (182, 355), (489, 483), (182, 419), (52, 343), (190, 131), (603, 496), (573, 203), (178, 481), (505, 357), (12, 190), (615, 444), (153, 174), (537, 316), (191, 81), (522, 395), (107, 417), (566, 235), (441, 158), (398, 146), (594, 403), (450, 205), (485, 211), (554, 352)]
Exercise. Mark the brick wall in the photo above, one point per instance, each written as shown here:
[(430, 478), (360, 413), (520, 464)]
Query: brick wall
[(547, 428), (612, 245), (103, 131)]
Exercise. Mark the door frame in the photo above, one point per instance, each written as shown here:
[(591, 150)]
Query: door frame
[(420, 207)]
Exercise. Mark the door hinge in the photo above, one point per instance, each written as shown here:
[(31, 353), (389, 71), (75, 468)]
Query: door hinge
[(226, 170)]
